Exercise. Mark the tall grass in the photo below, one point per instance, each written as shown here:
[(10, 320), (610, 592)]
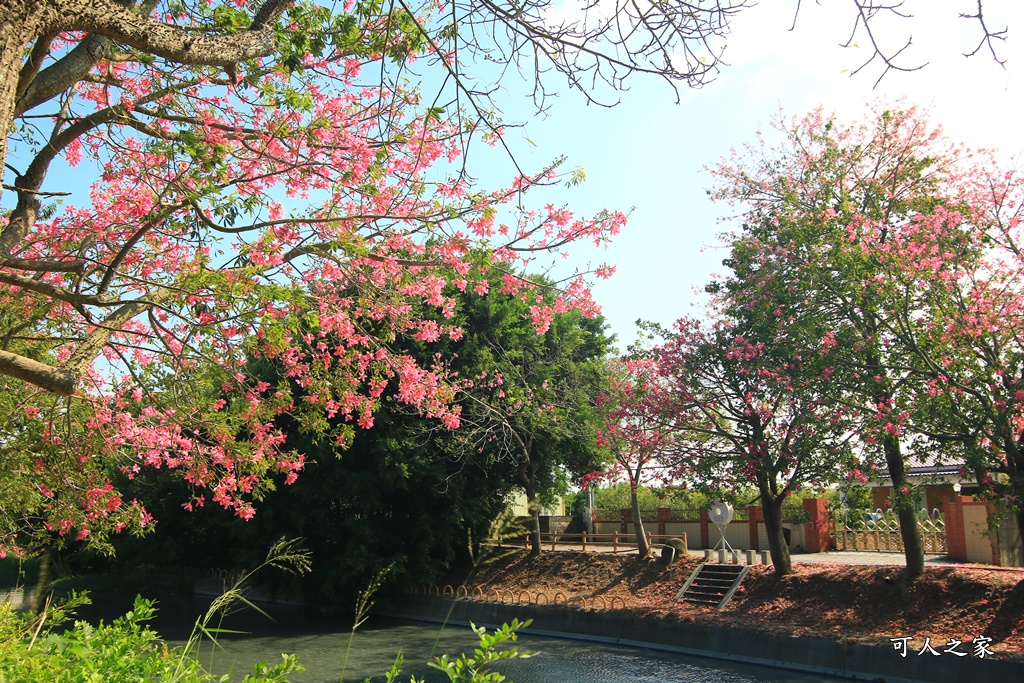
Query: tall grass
[(43, 648), (38, 648), (492, 647)]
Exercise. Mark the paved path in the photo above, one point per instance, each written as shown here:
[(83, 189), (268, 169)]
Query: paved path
[(878, 559), (866, 557), (834, 557), (863, 557)]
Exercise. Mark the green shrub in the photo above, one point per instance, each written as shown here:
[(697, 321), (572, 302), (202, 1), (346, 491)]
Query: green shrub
[(32, 650), (39, 649)]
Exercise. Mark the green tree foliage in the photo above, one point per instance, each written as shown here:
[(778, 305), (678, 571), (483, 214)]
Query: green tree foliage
[(392, 499), (529, 400), (409, 493), (865, 242), (619, 497), (238, 167)]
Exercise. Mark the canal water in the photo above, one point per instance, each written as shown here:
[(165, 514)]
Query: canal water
[(321, 647)]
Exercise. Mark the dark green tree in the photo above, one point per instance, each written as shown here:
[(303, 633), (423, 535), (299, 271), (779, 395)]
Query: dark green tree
[(529, 399), (409, 492)]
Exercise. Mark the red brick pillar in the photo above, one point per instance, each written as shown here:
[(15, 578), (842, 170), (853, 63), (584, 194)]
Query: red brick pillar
[(664, 515), (755, 515), (881, 498), (956, 534), (626, 515), (818, 530), (705, 531), (935, 496), (993, 539)]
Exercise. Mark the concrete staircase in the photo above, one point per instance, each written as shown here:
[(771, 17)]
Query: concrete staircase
[(713, 584)]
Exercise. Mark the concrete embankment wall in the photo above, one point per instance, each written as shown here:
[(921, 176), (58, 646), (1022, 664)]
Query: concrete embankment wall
[(813, 655)]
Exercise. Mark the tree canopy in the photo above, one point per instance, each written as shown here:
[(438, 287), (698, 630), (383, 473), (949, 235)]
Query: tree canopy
[(191, 185), (237, 169), (409, 494), (528, 400), (889, 253)]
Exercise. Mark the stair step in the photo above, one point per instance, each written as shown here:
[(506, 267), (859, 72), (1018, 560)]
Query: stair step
[(712, 584)]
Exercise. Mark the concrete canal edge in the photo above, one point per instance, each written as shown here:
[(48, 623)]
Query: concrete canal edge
[(804, 654)]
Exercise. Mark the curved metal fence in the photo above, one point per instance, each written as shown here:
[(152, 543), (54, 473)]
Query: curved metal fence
[(882, 534)]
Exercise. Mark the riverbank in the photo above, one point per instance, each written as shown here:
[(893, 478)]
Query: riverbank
[(843, 608), (805, 654)]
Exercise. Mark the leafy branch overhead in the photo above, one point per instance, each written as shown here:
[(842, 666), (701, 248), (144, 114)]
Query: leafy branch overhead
[(194, 186), (256, 182)]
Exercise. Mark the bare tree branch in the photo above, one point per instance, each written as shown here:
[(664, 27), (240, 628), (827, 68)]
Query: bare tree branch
[(987, 36)]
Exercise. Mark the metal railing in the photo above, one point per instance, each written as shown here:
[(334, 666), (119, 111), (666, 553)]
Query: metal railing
[(614, 542), (524, 597), (882, 534)]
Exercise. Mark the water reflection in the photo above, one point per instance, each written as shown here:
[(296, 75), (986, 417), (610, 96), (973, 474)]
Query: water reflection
[(322, 646)]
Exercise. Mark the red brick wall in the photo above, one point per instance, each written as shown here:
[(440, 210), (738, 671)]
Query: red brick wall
[(755, 515), (956, 531), (936, 495), (880, 498), (956, 536), (818, 531), (664, 515)]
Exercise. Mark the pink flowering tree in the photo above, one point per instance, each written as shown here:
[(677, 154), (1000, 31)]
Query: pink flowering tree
[(965, 340), (637, 413), (260, 181), (892, 241), (749, 410), (233, 167)]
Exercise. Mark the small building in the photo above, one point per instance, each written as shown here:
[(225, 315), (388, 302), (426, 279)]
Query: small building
[(518, 506), (938, 481)]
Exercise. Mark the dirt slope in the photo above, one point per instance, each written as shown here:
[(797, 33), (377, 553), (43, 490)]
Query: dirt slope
[(845, 602)]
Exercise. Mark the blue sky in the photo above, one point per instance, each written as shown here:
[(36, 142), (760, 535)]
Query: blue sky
[(648, 152)]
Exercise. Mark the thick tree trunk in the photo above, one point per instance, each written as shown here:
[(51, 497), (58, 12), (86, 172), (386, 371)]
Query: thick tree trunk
[(642, 546), (1020, 532), (531, 500), (772, 507), (19, 24), (1015, 486), (527, 478), (913, 547), (43, 582)]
